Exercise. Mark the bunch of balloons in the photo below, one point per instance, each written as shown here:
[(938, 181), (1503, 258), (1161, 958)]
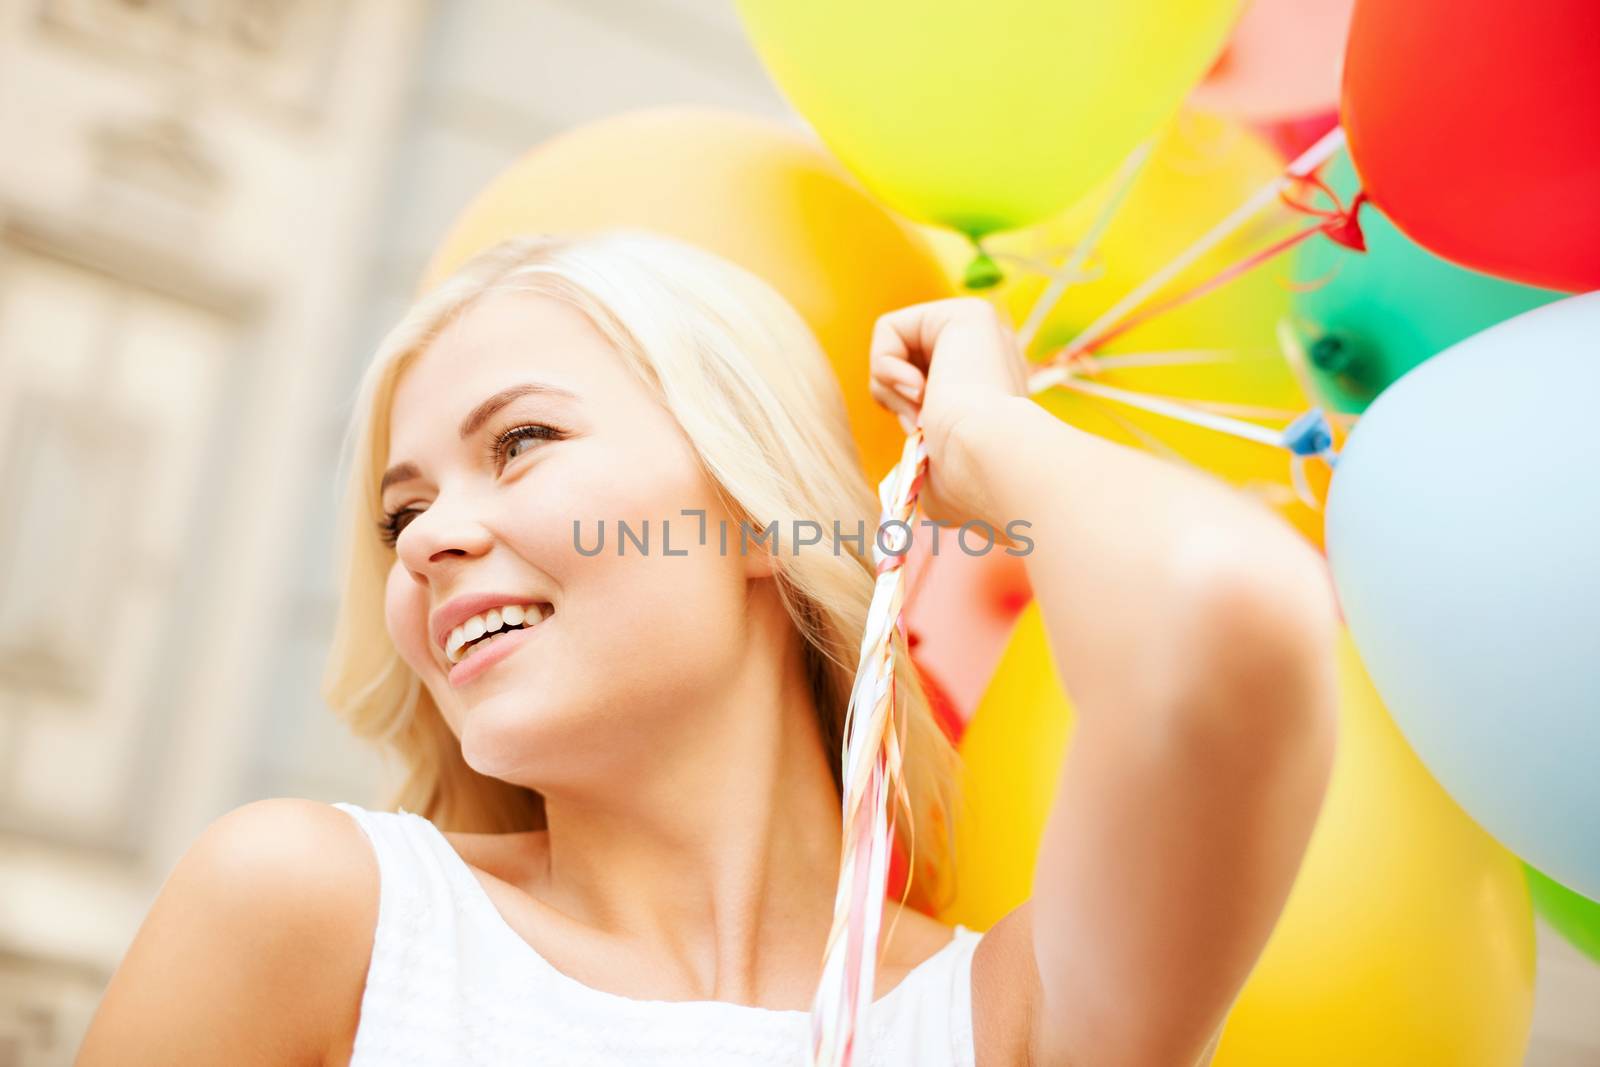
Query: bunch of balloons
[(1114, 176)]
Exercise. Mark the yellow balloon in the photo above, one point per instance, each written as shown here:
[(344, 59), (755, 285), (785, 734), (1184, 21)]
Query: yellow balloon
[(755, 191), (1222, 347), (1011, 752), (985, 117), (1408, 937)]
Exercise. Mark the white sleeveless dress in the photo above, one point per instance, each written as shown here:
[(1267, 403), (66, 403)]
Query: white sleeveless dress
[(451, 983)]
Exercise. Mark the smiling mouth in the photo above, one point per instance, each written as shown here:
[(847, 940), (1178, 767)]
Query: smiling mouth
[(482, 630)]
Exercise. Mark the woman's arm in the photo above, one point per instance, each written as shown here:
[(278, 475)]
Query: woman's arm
[(1194, 632), (255, 951)]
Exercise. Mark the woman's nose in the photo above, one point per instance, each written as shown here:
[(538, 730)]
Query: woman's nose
[(441, 537)]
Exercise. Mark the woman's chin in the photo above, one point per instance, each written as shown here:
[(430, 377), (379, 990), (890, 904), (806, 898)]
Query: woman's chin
[(507, 730)]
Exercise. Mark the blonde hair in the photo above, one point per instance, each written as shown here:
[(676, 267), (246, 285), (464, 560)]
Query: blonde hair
[(743, 375)]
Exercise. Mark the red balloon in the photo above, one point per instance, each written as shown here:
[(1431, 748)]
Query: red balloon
[(959, 614), (1475, 126), (1293, 136)]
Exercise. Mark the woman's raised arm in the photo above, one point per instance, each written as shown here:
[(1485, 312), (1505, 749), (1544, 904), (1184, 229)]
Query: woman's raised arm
[(1194, 631)]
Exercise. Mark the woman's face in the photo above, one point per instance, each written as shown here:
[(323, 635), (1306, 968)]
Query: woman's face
[(517, 422)]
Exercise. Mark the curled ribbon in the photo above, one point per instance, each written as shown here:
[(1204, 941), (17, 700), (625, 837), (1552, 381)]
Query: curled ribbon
[(1308, 437), (871, 763), (1340, 224)]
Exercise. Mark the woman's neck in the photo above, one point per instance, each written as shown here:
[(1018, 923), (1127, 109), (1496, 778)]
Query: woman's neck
[(721, 849)]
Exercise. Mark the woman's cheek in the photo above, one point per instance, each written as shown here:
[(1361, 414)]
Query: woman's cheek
[(405, 615), (543, 536)]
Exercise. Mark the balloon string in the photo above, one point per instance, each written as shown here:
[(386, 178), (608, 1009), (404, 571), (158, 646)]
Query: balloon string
[(871, 768), (1066, 275), (1315, 283), (1340, 224), (1095, 365), (1214, 282), (1307, 162), (1259, 411), (1309, 436), (1173, 409), (1173, 358), (1148, 439)]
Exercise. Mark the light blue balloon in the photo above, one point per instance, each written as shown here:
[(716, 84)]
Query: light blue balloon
[(1463, 530)]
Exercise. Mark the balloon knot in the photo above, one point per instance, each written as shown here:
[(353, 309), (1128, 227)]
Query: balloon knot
[(1345, 228), (983, 272), (1309, 435), (1330, 353), (1341, 224)]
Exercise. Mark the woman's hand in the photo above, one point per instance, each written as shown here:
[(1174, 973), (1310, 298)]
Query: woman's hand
[(934, 365)]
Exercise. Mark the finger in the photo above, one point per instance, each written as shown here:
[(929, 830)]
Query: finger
[(892, 361), (906, 335), (910, 335), (911, 391), (899, 376), (908, 384), (894, 401)]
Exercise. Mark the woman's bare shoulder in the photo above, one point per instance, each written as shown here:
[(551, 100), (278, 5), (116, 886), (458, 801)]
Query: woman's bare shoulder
[(301, 862), (255, 950), (261, 835)]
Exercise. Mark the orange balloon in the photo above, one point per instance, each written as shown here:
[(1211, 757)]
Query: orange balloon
[(754, 191)]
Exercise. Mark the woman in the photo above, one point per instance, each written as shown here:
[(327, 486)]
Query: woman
[(634, 751)]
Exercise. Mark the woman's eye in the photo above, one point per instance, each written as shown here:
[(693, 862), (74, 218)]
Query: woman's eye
[(394, 522), (502, 450), (504, 447), (511, 447)]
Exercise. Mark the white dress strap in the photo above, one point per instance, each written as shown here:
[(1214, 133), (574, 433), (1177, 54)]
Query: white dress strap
[(411, 1009), (963, 1051)]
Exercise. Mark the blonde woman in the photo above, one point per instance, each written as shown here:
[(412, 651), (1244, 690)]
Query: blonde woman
[(619, 834)]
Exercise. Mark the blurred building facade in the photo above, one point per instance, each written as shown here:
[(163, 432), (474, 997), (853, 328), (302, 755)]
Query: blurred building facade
[(186, 197), (210, 210)]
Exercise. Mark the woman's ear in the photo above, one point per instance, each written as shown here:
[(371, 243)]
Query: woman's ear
[(759, 561), (755, 545)]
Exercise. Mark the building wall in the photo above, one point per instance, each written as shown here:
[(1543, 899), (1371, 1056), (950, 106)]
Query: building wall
[(185, 219)]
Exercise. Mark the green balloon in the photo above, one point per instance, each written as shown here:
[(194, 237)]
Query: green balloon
[(1378, 313), (1575, 917)]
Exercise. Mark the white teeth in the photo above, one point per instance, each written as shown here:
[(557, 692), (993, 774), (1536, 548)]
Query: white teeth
[(456, 645)]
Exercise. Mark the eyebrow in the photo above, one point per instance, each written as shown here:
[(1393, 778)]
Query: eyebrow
[(474, 421)]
